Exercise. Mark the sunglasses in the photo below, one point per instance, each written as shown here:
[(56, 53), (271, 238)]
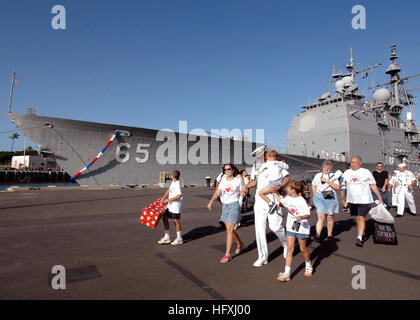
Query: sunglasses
[(228, 169)]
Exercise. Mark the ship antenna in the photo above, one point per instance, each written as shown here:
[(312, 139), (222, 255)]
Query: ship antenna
[(11, 91), (393, 71), (352, 64)]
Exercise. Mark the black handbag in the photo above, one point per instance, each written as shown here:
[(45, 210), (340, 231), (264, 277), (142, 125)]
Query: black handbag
[(328, 195)]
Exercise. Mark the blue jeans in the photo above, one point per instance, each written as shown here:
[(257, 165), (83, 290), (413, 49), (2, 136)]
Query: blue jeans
[(384, 196)]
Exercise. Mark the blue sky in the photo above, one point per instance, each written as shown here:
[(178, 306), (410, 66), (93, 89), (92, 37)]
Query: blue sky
[(217, 64)]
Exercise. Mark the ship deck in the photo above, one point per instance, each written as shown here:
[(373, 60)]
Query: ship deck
[(95, 235)]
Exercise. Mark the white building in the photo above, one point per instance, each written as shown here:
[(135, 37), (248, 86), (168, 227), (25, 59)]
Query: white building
[(33, 162)]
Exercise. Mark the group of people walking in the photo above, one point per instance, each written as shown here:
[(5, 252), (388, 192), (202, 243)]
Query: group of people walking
[(269, 176)]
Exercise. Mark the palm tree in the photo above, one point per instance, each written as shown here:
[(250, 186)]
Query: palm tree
[(13, 137)]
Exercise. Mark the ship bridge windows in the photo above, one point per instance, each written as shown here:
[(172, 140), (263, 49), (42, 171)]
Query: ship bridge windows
[(323, 103), (394, 123)]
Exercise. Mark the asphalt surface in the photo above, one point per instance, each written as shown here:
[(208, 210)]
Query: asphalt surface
[(96, 237)]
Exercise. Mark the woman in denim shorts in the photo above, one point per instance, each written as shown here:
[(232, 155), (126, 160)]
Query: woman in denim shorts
[(229, 191), (326, 202)]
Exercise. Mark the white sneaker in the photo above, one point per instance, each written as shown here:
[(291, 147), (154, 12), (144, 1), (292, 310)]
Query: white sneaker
[(308, 271), (177, 242), (283, 277), (259, 263), (164, 241)]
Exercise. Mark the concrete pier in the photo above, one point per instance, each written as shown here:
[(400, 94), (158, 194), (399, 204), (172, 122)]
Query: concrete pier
[(95, 235)]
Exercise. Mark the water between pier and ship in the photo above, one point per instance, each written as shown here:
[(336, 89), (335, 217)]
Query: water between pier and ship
[(4, 187)]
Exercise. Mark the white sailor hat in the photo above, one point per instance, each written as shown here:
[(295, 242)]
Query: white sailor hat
[(402, 165), (259, 151)]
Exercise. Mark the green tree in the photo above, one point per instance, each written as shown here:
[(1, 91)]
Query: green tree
[(13, 137)]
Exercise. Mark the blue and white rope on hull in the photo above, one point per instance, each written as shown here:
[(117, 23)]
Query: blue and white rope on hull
[(116, 133)]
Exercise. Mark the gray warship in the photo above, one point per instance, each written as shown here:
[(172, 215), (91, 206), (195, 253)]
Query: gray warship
[(133, 156), (335, 127), (339, 126)]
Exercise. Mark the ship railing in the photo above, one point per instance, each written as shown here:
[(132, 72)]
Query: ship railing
[(414, 138), (401, 152), (335, 156), (409, 128)]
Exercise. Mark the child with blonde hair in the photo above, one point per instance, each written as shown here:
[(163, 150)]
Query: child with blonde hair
[(274, 171)]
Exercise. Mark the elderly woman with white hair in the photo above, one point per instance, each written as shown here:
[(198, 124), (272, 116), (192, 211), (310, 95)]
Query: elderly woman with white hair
[(325, 199)]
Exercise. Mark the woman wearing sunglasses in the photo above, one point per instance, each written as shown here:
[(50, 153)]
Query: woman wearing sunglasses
[(229, 191)]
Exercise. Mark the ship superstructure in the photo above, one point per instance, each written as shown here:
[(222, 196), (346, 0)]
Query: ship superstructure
[(346, 124)]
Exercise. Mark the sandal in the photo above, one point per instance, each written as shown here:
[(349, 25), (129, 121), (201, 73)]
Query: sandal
[(239, 249), (225, 259)]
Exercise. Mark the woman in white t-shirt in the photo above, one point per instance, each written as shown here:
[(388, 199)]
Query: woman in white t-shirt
[(325, 199), (297, 226), (229, 191)]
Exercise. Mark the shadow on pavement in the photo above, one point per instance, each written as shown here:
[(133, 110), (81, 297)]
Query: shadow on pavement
[(201, 232), (324, 250)]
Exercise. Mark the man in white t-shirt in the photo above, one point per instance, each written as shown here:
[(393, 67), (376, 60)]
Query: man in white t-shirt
[(261, 214), (173, 197), (404, 184), (359, 182)]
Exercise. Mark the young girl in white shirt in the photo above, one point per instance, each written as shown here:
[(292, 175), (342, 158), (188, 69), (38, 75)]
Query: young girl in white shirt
[(297, 226)]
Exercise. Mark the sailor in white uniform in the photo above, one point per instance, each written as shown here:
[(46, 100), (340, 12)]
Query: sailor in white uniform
[(405, 181), (261, 208)]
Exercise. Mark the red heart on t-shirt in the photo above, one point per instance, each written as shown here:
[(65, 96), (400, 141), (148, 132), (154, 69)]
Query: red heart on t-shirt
[(228, 189), (355, 179), (292, 211)]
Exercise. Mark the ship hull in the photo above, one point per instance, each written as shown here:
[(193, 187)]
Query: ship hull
[(140, 158)]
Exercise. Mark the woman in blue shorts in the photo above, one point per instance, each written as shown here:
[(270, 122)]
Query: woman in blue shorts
[(325, 199)]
